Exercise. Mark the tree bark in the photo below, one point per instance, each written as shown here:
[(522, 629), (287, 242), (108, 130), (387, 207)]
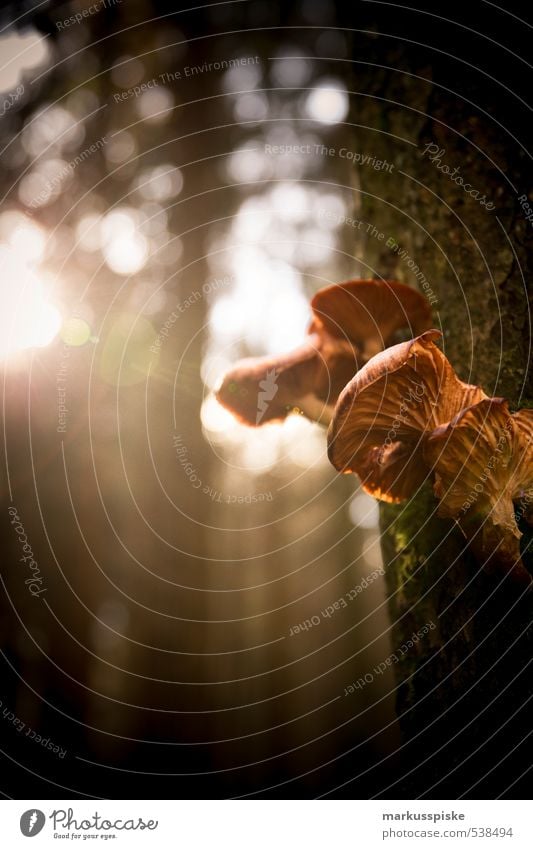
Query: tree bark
[(463, 691)]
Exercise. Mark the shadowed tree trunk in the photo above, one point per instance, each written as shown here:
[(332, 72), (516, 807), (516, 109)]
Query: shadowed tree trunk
[(463, 691)]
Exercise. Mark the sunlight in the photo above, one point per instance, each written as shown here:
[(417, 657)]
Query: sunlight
[(125, 249), (215, 418), (26, 238), (27, 319), (20, 52), (304, 442), (363, 510), (328, 102)]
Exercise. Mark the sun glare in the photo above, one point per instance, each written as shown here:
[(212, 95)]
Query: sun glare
[(125, 249), (27, 318)]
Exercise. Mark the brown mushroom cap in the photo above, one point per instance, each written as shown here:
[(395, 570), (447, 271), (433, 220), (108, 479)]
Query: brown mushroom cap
[(307, 380), (368, 312), (481, 452), (483, 461), (524, 420), (351, 321), (386, 410)]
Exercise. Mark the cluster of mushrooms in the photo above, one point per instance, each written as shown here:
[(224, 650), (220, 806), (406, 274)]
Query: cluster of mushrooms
[(398, 415)]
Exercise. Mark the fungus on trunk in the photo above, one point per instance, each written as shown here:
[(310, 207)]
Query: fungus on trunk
[(351, 322), (407, 416), (483, 464)]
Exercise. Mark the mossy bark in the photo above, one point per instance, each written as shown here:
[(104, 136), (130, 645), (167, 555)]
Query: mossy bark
[(463, 690)]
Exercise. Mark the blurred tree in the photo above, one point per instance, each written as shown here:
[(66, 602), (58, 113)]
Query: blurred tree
[(160, 653)]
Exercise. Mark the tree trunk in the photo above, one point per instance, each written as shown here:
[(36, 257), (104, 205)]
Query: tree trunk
[(463, 690)]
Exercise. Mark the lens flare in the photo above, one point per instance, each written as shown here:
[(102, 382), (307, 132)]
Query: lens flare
[(27, 318)]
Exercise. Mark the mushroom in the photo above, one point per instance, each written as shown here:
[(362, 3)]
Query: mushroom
[(524, 419), (384, 414), (351, 322), (483, 462)]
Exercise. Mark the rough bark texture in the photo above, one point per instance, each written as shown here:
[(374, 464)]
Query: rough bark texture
[(463, 691)]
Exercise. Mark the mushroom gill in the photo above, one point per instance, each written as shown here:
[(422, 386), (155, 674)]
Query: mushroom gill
[(385, 412), (351, 321), (483, 463)]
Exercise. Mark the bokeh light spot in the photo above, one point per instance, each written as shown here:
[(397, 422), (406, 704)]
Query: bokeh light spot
[(75, 332)]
